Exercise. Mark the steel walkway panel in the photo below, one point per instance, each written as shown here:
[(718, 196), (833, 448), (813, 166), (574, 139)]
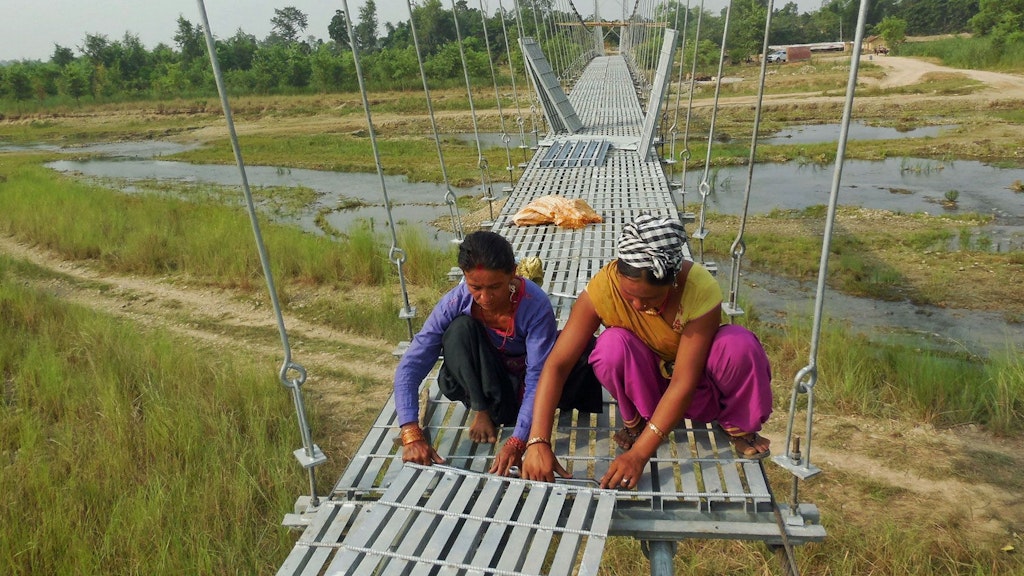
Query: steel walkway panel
[(441, 520)]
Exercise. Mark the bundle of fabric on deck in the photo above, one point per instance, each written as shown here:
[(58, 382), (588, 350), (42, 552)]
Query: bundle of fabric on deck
[(563, 212)]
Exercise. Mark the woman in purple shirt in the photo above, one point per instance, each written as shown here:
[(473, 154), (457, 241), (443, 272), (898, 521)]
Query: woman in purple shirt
[(495, 330)]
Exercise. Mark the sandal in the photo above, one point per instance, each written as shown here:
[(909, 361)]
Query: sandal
[(746, 445)]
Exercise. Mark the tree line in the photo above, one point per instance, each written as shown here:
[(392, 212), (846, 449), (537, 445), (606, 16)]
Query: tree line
[(287, 61)]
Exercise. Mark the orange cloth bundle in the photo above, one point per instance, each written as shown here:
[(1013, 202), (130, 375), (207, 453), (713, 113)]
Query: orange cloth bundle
[(556, 210)]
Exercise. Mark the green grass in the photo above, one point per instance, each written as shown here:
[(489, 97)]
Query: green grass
[(127, 451), (979, 53), (410, 156), (153, 235)]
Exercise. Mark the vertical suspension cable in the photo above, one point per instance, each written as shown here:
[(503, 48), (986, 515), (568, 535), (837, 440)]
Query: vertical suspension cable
[(505, 138), (705, 186), (732, 307), (449, 196), (395, 253), (520, 121), (674, 129), (806, 378), (684, 155), (310, 455), (485, 181)]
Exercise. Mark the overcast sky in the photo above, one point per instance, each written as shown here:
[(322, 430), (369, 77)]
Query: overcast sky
[(30, 28)]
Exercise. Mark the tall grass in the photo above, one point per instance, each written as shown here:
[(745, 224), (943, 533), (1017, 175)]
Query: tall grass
[(152, 235), (870, 376), (128, 452), (975, 53)]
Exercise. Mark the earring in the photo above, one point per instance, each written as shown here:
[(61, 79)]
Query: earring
[(512, 292)]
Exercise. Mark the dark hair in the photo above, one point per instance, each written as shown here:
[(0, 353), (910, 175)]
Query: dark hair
[(644, 274), (487, 250)]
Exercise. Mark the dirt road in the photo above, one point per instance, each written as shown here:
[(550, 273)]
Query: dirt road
[(902, 71)]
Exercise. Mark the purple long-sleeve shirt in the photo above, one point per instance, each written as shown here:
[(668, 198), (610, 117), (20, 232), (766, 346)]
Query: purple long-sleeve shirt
[(535, 333)]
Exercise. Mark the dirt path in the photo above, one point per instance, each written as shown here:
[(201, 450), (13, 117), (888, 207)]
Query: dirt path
[(931, 472), (902, 71)]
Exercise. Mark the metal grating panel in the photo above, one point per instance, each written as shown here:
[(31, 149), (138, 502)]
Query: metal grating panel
[(575, 154), (557, 107), (440, 520)]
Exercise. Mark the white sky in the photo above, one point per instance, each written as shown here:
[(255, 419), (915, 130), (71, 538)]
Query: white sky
[(30, 28)]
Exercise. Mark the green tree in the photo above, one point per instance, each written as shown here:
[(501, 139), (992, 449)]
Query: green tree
[(366, 30), (434, 26), (936, 16), (62, 56), (328, 69), (191, 41), (75, 79), (18, 82), (44, 80), (132, 59), (1003, 19), (893, 30), (98, 49), (288, 23), (337, 30), (746, 34), (237, 52)]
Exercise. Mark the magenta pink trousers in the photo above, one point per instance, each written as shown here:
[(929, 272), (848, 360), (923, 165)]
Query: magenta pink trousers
[(735, 390)]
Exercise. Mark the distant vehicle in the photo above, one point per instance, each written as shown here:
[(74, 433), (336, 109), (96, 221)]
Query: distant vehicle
[(777, 56)]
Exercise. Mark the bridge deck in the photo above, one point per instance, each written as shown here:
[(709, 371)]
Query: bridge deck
[(695, 487)]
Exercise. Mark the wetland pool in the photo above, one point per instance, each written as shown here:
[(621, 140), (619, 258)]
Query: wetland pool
[(901, 185)]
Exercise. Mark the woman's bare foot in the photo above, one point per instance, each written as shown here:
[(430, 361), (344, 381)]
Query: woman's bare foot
[(482, 430), (751, 445), (626, 436)]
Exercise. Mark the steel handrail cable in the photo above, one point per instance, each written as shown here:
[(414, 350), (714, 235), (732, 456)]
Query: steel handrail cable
[(536, 119), (449, 196), (311, 456), (705, 186), (731, 307)]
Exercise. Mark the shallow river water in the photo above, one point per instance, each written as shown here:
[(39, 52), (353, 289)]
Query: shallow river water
[(902, 185)]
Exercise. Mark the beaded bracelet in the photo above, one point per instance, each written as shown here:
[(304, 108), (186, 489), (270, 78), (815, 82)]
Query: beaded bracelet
[(657, 431), (516, 444)]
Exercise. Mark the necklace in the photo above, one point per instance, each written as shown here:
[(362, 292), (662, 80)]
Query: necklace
[(661, 308)]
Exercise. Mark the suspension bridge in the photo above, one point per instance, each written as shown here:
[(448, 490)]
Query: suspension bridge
[(603, 115)]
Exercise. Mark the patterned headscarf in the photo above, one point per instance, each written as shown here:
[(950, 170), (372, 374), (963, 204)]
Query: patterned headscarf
[(654, 243)]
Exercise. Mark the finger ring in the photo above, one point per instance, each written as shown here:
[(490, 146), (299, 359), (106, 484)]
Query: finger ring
[(625, 480)]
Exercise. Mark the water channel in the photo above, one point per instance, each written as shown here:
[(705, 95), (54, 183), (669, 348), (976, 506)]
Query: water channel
[(901, 185)]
